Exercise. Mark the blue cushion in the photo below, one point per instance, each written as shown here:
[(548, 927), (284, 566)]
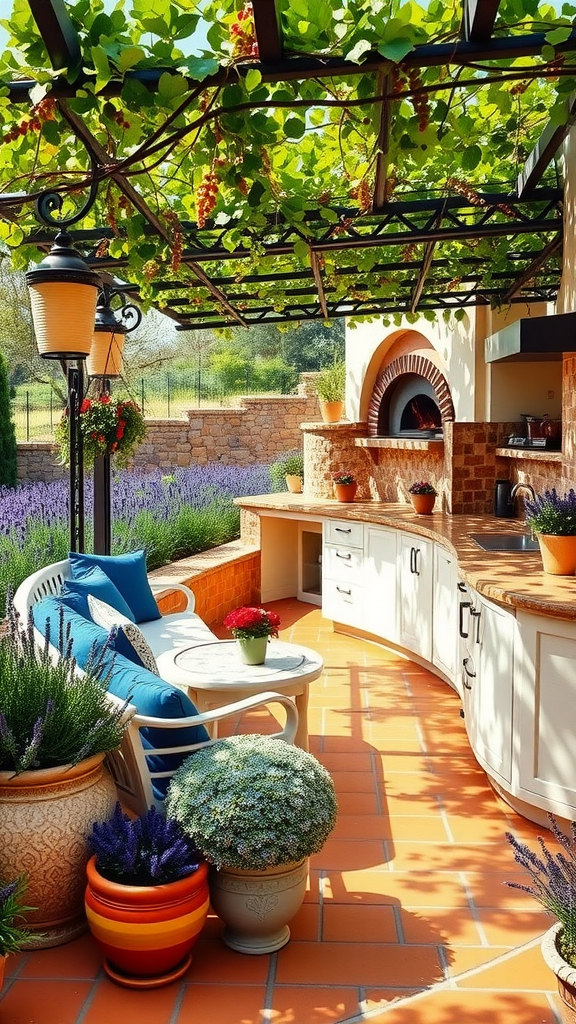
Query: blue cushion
[(128, 574), (150, 694), (97, 583)]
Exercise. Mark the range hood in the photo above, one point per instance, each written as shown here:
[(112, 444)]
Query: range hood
[(535, 338)]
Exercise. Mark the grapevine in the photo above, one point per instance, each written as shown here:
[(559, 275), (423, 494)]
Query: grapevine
[(243, 34)]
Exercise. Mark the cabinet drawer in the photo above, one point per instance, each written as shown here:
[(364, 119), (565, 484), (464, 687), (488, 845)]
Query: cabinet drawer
[(338, 531), (342, 602), (343, 563)]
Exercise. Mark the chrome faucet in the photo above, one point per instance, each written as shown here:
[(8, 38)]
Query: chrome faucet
[(523, 487)]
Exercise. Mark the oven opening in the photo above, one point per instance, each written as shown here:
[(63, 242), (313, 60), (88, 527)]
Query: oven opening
[(409, 409)]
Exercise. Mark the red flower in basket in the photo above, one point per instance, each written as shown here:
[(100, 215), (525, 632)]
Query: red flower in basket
[(249, 621)]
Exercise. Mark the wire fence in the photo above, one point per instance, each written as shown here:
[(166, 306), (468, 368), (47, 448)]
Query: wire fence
[(36, 410)]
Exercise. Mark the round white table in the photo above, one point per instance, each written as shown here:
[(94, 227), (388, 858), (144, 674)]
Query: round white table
[(214, 675)]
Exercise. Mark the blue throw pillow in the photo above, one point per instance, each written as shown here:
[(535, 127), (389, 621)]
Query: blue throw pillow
[(86, 635), (95, 582), (150, 694), (128, 574)]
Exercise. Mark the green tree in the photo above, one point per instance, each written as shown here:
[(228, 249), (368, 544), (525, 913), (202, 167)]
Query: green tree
[(8, 460)]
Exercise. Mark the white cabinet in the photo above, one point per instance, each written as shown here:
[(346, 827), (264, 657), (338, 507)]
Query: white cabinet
[(415, 575), (445, 613), (310, 562), (545, 707), (488, 680), (380, 602), (342, 561)]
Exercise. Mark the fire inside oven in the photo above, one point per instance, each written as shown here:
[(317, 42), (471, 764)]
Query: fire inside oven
[(409, 409)]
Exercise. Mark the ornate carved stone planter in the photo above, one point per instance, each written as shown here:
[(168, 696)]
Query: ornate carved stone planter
[(256, 905)]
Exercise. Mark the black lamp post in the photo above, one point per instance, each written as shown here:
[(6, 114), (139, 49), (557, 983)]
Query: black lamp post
[(63, 295)]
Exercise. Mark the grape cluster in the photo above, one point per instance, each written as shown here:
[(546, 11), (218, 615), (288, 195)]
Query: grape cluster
[(206, 197), (150, 269), (361, 193), (176, 239), (419, 99), (243, 34)]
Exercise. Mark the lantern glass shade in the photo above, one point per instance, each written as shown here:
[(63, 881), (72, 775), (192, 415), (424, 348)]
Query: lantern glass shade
[(63, 314), (105, 359)]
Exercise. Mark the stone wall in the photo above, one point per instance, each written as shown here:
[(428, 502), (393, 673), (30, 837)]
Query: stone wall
[(255, 430)]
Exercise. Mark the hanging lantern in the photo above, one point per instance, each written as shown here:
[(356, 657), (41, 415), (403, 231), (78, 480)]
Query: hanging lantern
[(63, 294), (105, 359)]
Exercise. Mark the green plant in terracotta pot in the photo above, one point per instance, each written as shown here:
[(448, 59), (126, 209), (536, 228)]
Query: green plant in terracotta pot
[(146, 897), (345, 485), (13, 930), (331, 391), (257, 808), (553, 878), (288, 471), (553, 519), (55, 730), (423, 496)]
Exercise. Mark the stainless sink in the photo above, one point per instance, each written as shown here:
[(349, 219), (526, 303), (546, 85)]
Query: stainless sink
[(504, 541)]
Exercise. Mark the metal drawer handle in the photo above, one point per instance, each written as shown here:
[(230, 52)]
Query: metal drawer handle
[(340, 529), (463, 605), (342, 591), (468, 673), (477, 613), (346, 556)]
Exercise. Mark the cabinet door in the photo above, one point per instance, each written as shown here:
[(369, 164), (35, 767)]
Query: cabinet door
[(546, 701), (490, 703), (379, 582), (415, 594), (445, 613)]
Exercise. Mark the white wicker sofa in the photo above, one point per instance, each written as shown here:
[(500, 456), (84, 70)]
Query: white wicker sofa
[(148, 756)]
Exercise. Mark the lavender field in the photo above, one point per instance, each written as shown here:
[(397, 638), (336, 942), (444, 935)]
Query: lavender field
[(170, 516)]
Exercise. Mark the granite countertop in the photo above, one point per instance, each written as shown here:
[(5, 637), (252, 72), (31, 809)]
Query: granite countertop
[(511, 578)]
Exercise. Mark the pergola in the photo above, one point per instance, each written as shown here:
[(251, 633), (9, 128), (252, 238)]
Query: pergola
[(332, 174)]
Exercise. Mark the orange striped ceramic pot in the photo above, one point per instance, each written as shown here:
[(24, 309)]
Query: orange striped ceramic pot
[(146, 932)]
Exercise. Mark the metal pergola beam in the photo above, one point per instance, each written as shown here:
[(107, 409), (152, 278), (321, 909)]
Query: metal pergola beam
[(545, 149), (478, 19), (58, 32), (267, 28)]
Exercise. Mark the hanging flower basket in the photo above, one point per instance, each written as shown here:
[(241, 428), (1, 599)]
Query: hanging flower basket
[(108, 428)]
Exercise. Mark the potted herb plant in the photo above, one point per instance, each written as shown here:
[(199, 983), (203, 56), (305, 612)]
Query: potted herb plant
[(257, 808), (55, 730), (331, 391), (288, 469), (146, 897), (13, 930), (345, 486), (553, 519), (423, 496), (251, 627), (554, 887)]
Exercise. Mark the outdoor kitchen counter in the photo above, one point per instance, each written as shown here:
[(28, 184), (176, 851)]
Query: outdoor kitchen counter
[(513, 579)]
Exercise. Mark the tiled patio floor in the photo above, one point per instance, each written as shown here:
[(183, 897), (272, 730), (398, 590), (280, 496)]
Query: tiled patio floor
[(407, 919)]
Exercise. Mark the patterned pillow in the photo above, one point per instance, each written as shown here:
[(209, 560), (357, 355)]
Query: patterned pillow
[(130, 641)]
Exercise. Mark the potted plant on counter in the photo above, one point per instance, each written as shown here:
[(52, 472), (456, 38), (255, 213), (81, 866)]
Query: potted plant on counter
[(331, 391), (146, 897), (553, 519), (55, 731), (257, 808), (251, 627), (554, 887), (13, 930), (288, 470), (345, 486), (423, 496)]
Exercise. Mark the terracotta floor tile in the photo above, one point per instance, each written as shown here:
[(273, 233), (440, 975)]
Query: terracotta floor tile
[(44, 1002), (447, 1007), (358, 923), (357, 963), (221, 1004), (409, 889), (313, 1005)]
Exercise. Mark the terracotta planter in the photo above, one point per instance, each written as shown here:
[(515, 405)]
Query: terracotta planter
[(565, 975), (257, 905), (331, 412), (345, 492), (45, 816), (294, 483), (558, 554), (146, 932), (2, 966), (423, 503), (253, 650)]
